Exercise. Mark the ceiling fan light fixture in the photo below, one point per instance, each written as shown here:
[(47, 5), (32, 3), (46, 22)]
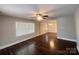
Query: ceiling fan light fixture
[(39, 17)]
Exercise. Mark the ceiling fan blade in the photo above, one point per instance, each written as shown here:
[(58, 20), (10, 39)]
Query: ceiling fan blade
[(29, 15), (49, 18)]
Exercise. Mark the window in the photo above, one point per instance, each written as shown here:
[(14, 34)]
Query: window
[(23, 28)]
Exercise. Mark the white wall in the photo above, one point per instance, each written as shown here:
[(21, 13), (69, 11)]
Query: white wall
[(0, 30), (8, 32), (66, 27), (77, 26)]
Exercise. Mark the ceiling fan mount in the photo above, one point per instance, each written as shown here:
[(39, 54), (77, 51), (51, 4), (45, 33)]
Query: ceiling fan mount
[(43, 16)]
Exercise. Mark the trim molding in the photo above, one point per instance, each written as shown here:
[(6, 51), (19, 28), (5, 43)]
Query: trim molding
[(8, 45), (66, 39)]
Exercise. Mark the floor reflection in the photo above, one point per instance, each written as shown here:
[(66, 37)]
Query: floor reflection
[(52, 45), (46, 44), (27, 50)]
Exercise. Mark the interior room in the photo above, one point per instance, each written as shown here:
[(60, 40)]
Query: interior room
[(39, 29)]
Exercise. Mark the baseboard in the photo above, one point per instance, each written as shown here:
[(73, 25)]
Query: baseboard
[(2, 47), (66, 39)]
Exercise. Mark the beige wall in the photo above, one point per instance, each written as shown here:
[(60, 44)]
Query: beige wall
[(43, 27), (8, 32), (52, 26), (46, 27)]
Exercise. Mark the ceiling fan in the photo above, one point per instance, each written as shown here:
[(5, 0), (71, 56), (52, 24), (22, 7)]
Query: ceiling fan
[(41, 16)]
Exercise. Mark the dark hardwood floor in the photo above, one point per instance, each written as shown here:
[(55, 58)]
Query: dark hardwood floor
[(46, 44)]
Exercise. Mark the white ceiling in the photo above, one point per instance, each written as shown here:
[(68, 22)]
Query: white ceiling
[(28, 10)]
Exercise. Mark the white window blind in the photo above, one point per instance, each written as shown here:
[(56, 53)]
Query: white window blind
[(23, 28)]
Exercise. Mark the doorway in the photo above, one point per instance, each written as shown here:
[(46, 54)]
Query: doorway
[(48, 26), (52, 26)]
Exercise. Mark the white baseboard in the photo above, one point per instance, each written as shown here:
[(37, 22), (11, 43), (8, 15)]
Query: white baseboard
[(5, 46), (66, 39)]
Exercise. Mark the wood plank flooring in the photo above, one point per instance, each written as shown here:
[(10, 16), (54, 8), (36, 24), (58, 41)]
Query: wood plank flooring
[(46, 44)]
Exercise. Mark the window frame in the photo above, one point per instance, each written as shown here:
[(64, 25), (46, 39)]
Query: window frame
[(30, 28)]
